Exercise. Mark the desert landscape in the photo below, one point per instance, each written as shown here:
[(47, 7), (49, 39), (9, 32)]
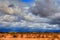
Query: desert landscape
[(29, 36)]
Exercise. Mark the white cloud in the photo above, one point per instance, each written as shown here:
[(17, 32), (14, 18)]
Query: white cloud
[(18, 15), (8, 18)]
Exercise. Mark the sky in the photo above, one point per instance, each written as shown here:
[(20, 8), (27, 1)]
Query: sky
[(26, 0), (20, 16)]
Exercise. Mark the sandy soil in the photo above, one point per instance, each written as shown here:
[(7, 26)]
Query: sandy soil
[(29, 36)]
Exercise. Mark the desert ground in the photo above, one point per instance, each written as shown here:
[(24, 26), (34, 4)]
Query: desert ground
[(29, 36)]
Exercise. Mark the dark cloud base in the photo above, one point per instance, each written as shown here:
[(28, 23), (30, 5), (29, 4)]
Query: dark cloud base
[(2, 29)]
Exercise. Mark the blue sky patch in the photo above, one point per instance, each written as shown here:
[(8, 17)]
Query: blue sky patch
[(26, 0)]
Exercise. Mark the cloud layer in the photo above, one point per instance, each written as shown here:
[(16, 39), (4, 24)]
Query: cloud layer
[(18, 14), (47, 8)]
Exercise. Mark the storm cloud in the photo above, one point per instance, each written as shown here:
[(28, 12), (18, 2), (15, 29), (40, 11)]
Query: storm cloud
[(47, 9)]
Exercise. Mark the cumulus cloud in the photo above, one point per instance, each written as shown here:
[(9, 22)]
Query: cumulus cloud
[(18, 14), (46, 8), (8, 18)]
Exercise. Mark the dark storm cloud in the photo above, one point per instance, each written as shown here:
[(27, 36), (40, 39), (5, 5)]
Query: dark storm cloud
[(46, 8)]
